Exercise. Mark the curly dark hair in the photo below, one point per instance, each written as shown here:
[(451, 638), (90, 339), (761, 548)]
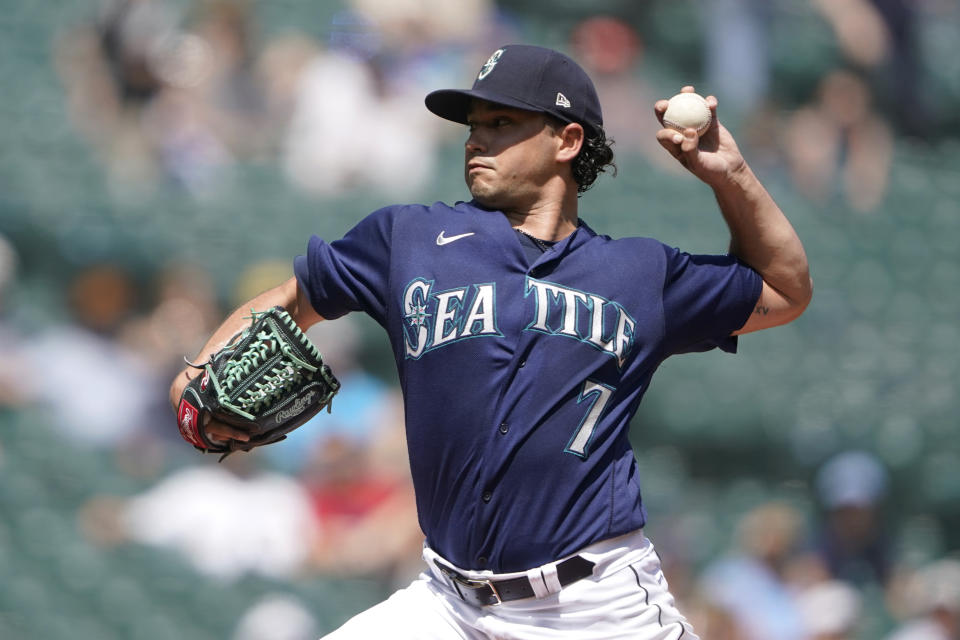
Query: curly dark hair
[(593, 159)]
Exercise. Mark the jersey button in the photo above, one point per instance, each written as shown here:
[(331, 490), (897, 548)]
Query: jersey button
[(504, 427), (523, 363), (482, 561), (487, 495)]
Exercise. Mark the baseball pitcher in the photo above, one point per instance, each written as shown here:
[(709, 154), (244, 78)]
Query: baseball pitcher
[(524, 342)]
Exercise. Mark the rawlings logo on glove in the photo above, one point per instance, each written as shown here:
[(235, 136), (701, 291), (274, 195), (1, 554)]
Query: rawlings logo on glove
[(267, 381), (297, 408)]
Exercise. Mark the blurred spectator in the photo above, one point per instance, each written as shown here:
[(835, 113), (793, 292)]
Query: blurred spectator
[(747, 589), (109, 75), (880, 38), (211, 108), (426, 23), (12, 391), (277, 616), (279, 69), (612, 52), (232, 91), (859, 28), (8, 267), (839, 144), (257, 278), (98, 390), (852, 542), (364, 499), (382, 57), (129, 33), (182, 314), (830, 611), (226, 519), (354, 464), (365, 137), (737, 63), (933, 594), (903, 74), (159, 100)]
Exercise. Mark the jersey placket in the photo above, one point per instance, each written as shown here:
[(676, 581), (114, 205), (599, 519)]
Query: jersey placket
[(502, 432)]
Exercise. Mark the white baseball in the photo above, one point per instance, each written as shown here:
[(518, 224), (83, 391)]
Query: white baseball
[(687, 111)]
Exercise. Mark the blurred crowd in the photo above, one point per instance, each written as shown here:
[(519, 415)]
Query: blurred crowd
[(166, 95), (833, 574), (338, 492), (173, 98)]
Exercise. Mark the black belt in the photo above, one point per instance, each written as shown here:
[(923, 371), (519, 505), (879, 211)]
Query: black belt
[(487, 592)]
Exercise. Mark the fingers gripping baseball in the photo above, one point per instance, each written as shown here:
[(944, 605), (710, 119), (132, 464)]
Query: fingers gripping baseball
[(693, 135), (684, 147), (688, 121)]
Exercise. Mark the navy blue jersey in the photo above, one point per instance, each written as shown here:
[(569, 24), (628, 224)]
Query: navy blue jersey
[(520, 378)]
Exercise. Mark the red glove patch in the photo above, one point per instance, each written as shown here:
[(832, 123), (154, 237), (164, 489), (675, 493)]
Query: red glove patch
[(187, 418)]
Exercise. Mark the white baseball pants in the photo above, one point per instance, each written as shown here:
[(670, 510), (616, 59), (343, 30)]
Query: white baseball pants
[(627, 597)]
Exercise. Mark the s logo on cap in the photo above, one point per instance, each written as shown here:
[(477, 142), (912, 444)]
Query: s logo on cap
[(490, 64)]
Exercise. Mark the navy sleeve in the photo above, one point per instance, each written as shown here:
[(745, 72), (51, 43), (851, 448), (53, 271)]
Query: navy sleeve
[(705, 299), (350, 274)]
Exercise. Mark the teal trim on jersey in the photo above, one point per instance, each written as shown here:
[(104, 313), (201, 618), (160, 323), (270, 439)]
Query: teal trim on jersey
[(589, 306), (466, 307), (416, 316), (493, 312), (598, 395), (446, 317)]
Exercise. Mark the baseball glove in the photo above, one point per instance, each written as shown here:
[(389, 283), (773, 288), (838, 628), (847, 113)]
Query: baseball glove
[(267, 381)]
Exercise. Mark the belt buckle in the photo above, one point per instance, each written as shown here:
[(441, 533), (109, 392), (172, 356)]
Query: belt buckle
[(493, 589), (476, 584), (458, 579)]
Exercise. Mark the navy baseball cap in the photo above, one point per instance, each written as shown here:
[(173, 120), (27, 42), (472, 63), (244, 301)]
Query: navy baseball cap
[(529, 78)]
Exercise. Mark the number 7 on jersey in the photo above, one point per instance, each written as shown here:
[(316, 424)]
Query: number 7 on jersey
[(598, 394)]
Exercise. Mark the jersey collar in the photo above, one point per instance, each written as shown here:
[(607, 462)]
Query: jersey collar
[(581, 235)]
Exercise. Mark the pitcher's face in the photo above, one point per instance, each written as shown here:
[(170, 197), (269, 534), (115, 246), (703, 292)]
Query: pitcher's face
[(509, 155)]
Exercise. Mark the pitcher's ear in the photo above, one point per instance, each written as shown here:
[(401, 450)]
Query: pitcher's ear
[(572, 137)]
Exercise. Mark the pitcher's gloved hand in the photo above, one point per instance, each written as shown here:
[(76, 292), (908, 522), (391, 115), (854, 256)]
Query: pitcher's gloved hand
[(267, 381)]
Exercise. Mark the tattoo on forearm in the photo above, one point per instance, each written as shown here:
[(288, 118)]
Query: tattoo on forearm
[(761, 310)]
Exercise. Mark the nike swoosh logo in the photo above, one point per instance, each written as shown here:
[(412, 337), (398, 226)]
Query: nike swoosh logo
[(441, 240)]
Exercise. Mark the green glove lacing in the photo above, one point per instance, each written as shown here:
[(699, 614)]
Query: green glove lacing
[(287, 371)]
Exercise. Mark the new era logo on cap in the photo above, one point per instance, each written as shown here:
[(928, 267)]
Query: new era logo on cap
[(530, 78)]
